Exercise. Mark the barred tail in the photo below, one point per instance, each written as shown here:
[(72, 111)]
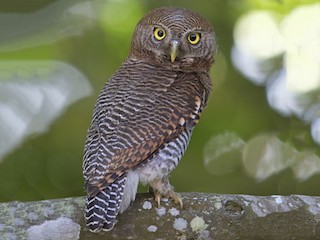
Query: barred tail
[(103, 208)]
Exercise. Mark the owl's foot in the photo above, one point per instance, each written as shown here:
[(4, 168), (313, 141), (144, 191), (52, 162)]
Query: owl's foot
[(176, 197), (162, 188)]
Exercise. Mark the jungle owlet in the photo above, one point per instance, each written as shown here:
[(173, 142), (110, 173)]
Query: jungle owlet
[(145, 114)]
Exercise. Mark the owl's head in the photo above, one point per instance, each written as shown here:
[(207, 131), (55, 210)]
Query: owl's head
[(174, 38)]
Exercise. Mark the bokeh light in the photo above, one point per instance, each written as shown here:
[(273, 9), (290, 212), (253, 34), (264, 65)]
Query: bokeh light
[(32, 95), (283, 53)]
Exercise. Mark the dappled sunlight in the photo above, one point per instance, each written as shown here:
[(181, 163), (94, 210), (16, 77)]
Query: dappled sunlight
[(265, 155), (222, 153), (59, 20), (258, 35), (315, 129), (301, 31), (283, 53), (306, 165), (32, 95), (285, 102), (261, 157)]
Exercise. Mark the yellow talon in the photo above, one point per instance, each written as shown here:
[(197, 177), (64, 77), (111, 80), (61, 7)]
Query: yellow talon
[(176, 197), (158, 199)]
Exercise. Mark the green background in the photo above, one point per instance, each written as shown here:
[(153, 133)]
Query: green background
[(49, 165)]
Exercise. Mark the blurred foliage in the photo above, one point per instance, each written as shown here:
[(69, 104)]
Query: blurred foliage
[(280, 6), (50, 165)]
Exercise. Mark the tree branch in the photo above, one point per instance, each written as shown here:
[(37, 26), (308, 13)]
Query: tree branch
[(204, 216)]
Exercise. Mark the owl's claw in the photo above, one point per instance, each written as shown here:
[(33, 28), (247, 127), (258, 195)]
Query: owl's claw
[(157, 197), (162, 188), (176, 197)]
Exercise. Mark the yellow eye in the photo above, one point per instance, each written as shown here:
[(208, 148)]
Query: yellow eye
[(194, 38), (159, 33)]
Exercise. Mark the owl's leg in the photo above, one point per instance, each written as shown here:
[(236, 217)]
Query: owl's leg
[(163, 188), (130, 190)]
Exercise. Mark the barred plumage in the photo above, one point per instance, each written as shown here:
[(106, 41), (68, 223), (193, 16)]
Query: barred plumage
[(102, 209), (145, 114)]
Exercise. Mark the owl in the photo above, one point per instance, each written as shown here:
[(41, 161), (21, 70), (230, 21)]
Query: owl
[(145, 114)]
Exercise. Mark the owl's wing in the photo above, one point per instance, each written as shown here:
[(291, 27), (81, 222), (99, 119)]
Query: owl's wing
[(126, 142)]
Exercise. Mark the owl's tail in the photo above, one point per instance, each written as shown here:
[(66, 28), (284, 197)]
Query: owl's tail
[(103, 208)]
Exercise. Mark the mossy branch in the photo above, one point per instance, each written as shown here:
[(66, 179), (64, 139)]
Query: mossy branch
[(204, 216)]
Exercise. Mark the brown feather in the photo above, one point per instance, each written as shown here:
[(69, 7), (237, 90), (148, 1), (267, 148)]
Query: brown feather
[(145, 114)]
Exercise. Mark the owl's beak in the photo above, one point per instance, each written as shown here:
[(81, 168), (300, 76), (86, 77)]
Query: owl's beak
[(174, 50)]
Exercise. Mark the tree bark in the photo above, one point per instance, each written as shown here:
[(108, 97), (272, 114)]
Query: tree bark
[(204, 216)]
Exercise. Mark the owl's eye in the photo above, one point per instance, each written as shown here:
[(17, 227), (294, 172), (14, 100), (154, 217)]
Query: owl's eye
[(194, 38), (159, 33)]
